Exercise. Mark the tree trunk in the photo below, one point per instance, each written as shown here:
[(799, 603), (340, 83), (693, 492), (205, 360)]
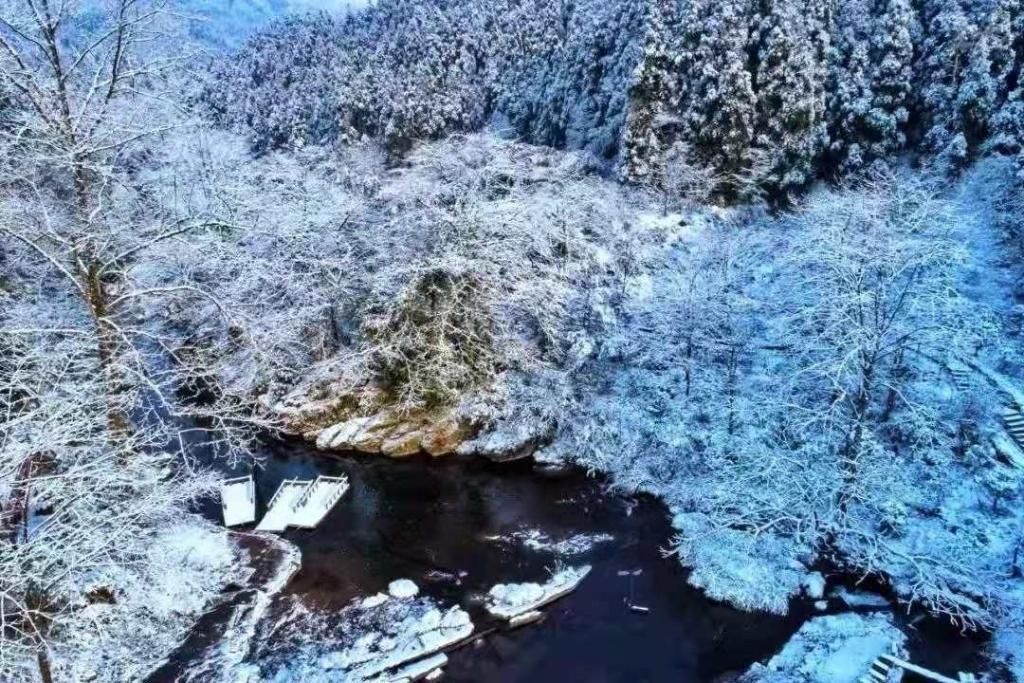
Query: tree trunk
[(108, 352), (43, 660), (689, 362), (851, 449)]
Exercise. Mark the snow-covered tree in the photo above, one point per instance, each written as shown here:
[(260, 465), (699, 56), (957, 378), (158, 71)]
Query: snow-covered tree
[(964, 74), (89, 459), (791, 42), (717, 102), (880, 286), (649, 125), (892, 53)]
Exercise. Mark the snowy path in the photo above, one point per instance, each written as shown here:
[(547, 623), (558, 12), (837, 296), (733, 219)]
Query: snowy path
[(238, 500)]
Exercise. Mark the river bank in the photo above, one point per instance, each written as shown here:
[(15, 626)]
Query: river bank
[(457, 527)]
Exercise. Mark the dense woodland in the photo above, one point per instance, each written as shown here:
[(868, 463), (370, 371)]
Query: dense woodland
[(726, 252), (766, 95)]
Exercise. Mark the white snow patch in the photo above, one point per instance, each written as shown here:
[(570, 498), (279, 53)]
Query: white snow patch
[(509, 600), (859, 598), (374, 600), (540, 541), (403, 589), (831, 649)]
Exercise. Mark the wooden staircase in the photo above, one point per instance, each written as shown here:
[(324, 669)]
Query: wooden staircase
[(961, 378), (878, 672), (885, 664), (1011, 415), (1013, 420)]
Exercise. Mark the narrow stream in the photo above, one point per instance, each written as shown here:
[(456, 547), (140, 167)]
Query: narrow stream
[(450, 526)]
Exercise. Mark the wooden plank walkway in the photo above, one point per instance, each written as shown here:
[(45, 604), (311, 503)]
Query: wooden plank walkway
[(302, 503), (279, 511), (310, 509)]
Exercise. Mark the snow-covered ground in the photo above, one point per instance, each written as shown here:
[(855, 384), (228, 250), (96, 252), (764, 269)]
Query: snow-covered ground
[(832, 649), (362, 642), (1008, 647), (190, 562)]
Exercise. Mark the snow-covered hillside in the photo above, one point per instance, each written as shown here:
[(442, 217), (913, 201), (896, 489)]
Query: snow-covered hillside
[(760, 260)]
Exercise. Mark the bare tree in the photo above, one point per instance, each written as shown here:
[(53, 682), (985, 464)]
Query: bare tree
[(93, 435), (877, 268), (86, 93), (684, 182)]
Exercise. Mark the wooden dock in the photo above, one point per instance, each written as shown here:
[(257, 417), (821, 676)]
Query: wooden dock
[(238, 501), (302, 503)]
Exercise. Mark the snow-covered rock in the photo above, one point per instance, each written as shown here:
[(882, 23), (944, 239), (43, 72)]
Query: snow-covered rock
[(511, 441), (338, 408), (403, 588), (374, 600), (814, 585), (853, 598), (510, 600), (373, 639)]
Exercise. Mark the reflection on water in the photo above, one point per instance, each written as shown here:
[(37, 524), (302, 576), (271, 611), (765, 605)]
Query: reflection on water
[(435, 522)]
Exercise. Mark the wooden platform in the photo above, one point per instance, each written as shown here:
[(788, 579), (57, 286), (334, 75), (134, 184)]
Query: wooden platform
[(302, 503), (238, 501)]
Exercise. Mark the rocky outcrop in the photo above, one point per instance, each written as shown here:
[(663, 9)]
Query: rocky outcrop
[(397, 433), (342, 410), (507, 442)]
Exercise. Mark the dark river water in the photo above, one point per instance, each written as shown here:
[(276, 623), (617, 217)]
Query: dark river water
[(434, 521)]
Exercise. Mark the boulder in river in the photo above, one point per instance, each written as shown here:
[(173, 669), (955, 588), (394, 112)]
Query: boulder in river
[(403, 588)]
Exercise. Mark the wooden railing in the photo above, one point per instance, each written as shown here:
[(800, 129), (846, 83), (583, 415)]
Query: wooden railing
[(925, 673), (312, 489)]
